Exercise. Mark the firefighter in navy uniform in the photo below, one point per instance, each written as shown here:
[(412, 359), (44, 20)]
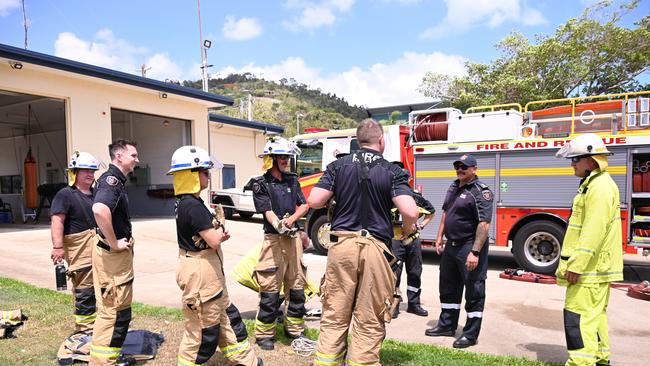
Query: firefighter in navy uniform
[(358, 288), (73, 229), (408, 252), (277, 195), (113, 255), (210, 319), (465, 222)]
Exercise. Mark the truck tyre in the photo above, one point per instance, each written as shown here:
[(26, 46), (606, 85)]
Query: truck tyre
[(537, 246), (245, 214), (319, 232)]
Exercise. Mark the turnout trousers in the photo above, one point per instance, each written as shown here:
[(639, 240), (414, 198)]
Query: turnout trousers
[(78, 250), (356, 292), (585, 324), (411, 257), (280, 265), (210, 319), (113, 281), (454, 277)]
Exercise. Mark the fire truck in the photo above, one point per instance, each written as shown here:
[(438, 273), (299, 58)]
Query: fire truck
[(515, 149)]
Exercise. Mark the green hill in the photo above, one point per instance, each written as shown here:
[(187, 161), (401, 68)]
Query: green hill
[(281, 103)]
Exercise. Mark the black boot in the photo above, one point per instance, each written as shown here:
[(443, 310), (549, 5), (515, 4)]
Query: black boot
[(417, 310), (266, 344)]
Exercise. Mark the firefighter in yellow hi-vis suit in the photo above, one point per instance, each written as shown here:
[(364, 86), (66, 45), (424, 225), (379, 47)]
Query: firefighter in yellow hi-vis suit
[(113, 255), (73, 230), (592, 255), (210, 319), (277, 196), (359, 284)]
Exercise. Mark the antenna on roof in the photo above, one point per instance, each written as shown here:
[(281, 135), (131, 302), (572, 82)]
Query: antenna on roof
[(25, 23)]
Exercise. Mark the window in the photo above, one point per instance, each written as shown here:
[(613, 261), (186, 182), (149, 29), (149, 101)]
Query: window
[(228, 179), (310, 159), (10, 184)]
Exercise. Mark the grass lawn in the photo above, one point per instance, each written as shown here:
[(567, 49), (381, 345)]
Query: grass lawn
[(50, 321)]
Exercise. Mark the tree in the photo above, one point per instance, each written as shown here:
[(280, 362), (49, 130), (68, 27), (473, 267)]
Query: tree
[(585, 56)]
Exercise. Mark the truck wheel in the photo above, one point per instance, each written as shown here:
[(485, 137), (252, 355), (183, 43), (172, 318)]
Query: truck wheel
[(320, 233), (245, 214), (537, 246)]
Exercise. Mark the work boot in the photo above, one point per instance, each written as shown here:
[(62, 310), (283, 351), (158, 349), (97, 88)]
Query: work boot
[(266, 344), (417, 310), (396, 312), (464, 342), (439, 332)]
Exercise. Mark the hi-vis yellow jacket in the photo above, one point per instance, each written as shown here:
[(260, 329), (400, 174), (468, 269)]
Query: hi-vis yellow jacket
[(592, 244)]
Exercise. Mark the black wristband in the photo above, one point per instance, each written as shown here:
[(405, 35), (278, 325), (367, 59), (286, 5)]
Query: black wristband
[(476, 252)]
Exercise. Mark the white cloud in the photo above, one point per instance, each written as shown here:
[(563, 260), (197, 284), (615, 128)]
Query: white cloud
[(242, 29), (163, 68), (315, 15), (392, 83), (6, 6), (463, 15)]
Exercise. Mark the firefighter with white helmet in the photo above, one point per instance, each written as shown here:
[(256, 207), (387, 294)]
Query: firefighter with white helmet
[(591, 255), (211, 320), (73, 229), (278, 197)]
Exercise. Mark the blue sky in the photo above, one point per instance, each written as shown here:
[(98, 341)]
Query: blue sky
[(372, 52)]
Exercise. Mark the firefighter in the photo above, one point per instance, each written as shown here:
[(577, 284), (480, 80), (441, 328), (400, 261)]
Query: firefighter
[(465, 222), (210, 319), (113, 255), (408, 252), (591, 256), (277, 195), (73, 231), (358, 288)]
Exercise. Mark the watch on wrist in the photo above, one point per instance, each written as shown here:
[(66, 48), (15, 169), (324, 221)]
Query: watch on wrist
[(476, 252)]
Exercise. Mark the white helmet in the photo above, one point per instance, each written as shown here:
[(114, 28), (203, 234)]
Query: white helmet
[(192, 157), (586, 144), (280, 146), (83, 160)]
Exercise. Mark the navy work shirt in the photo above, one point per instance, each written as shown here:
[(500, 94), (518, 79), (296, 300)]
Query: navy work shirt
[(192, 217), (465, 207), (78, 211), (279, 196), (342, 177), (110, 190)]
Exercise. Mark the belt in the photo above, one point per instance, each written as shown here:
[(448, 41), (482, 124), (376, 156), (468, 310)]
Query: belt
[(459, 243), (103, 245), (334, 238)]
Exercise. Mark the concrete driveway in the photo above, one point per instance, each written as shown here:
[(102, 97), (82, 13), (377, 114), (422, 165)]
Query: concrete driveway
[(521, 319)]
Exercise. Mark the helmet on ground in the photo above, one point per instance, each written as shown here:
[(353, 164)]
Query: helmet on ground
[(583, 145), (279, 146), (83, 160), (192, 157)]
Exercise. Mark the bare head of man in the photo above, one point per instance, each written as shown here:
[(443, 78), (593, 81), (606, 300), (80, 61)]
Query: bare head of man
[(370, 134)]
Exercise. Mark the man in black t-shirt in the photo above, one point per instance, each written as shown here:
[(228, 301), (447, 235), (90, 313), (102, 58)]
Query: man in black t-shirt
[(278, 197), (359, 285), (113, 255), (73, 227), (211, 320)]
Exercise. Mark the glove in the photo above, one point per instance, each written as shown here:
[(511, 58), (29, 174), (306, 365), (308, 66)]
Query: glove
[(278, 225), (409, 239)]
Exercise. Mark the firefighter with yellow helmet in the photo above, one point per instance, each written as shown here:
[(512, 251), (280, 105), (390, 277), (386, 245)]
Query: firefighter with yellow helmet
[(73, 228), (278, 197), (592, 256), (211, 320)]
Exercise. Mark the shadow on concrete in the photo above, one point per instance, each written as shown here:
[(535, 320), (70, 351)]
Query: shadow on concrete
[(547, 352)]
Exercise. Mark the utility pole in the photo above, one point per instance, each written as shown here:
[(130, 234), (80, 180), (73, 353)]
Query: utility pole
[(205, 44), (250, 107), (298, 115), (25, 24)]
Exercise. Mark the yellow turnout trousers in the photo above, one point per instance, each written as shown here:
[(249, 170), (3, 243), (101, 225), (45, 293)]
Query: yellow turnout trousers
[(280, 264), (585, 324), (210, 319), (357, 292), (77, 251), (113, 280)]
